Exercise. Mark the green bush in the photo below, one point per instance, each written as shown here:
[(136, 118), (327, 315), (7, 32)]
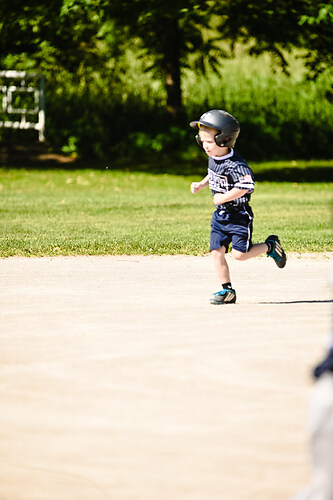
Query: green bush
[(281, 116), (124, 115)]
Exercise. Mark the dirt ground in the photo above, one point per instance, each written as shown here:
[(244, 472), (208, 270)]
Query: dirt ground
[(119, 381)]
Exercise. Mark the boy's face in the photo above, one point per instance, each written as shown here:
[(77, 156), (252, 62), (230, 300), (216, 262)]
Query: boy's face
[(208, 142)]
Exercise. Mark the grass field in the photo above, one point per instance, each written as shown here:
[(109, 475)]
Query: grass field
[(90, 211)]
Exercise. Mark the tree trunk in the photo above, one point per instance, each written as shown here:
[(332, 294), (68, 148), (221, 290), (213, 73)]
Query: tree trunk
[(170, 37)]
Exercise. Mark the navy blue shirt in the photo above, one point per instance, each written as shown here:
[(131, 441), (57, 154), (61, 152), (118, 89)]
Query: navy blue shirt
[(227, 172)]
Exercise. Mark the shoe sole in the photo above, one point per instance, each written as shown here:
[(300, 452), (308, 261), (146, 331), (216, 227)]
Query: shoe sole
[(283, 261), (281, 253), (220, 303), (279, 250)]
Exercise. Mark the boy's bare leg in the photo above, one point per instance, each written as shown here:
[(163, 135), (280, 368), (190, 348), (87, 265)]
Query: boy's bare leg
[(221, 265), (254, 251)]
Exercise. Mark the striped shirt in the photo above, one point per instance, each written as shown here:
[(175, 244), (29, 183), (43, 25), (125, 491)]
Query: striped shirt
[(227, 172)]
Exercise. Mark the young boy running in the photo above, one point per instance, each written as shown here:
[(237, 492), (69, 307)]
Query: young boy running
[(231, 182)]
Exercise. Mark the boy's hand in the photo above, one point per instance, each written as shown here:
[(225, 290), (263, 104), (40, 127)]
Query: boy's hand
[(195, 187)]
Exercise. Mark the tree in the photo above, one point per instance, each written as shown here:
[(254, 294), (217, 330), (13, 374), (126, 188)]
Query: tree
[(68, 34), (170, 32), (319, 25), (61, 33), (270, 25)]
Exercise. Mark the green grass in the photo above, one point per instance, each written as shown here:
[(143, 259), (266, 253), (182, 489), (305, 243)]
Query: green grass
[(77, 212)]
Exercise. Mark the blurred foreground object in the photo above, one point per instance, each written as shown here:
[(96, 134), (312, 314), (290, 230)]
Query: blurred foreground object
[(321, 433)]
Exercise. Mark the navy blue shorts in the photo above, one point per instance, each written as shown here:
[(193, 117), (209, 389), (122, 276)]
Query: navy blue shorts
[(232, 227)]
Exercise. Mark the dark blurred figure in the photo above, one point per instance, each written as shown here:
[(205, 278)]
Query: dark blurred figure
[(321, 433)]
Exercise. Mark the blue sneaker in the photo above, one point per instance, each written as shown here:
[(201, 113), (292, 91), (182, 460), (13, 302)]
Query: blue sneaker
[(224, 296), (276, 251)]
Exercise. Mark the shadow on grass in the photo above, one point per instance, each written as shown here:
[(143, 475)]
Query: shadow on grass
[(276, 173), (280, 171), (293, 174)]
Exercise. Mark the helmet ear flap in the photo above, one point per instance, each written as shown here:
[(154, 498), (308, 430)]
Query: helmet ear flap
[(198, 139), (220, 140)]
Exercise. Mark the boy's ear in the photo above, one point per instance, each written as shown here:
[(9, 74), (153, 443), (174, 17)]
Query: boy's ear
[(198, 139)]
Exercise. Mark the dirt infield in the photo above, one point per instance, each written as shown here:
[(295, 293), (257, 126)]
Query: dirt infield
[(120, 381)]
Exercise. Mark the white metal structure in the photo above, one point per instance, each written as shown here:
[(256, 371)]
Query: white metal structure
[(28, 83)]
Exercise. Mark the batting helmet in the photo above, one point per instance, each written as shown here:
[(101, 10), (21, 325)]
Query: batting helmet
[(227, 126)]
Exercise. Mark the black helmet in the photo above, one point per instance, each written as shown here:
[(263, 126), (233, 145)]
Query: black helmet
[(222, 121)]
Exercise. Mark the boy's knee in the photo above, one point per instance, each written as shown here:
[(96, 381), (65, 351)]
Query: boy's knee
[(218, 254), (218, 251), (215, 251)]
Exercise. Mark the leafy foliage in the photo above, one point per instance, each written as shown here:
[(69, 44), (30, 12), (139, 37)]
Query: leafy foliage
[(119, 73), (269, 25), (319, 25)]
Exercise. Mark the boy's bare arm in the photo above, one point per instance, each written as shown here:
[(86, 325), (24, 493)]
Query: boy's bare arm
[(197, 186), (231, 195)]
